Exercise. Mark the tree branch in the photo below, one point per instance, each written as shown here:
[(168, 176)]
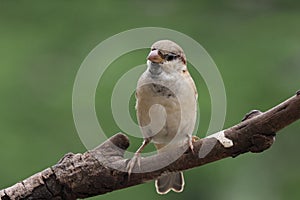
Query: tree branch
[(89, 174)]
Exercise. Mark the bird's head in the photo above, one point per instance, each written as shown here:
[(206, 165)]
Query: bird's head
[(166, 56)]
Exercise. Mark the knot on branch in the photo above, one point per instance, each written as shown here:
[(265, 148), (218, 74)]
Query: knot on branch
[(112, 149), (261, 142), (251, 114)]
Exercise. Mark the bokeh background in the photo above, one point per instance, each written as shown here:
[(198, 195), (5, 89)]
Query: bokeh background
[(255, 45)]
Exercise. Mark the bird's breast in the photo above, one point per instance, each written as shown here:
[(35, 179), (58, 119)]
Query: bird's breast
[(177, 109)]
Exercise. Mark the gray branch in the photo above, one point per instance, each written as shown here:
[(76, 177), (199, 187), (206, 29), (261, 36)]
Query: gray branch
[(102, 169)]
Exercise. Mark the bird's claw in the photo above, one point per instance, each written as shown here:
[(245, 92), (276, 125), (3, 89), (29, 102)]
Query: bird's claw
[(190, 141), (136, 159), (195, 138)]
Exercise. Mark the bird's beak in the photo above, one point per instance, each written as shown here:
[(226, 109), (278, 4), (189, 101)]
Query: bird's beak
[(155, 57)]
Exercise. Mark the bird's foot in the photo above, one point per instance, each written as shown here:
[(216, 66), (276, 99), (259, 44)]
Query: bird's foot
[(195, 138), (136, 159), (191, 140)]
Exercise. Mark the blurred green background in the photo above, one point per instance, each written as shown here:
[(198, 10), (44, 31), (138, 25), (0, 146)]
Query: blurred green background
[(255, 45)]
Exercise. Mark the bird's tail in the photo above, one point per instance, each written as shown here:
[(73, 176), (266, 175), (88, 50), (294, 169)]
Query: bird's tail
[(169, 182)]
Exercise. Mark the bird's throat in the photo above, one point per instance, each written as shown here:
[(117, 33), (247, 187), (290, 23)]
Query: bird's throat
[(155, 69)]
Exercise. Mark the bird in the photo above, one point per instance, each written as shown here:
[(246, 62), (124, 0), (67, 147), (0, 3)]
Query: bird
[(166, 107)]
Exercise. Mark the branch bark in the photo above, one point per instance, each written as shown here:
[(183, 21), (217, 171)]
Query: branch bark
[(102, 169)]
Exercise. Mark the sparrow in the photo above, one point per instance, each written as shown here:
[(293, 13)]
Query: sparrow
[(166, 105)]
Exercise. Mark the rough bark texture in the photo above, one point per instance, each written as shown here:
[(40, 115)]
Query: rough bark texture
[(88, 174)]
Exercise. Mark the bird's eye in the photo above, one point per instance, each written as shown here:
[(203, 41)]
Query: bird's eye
[(170, 57)]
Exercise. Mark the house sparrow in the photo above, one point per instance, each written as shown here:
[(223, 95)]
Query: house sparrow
[(166, 107)]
